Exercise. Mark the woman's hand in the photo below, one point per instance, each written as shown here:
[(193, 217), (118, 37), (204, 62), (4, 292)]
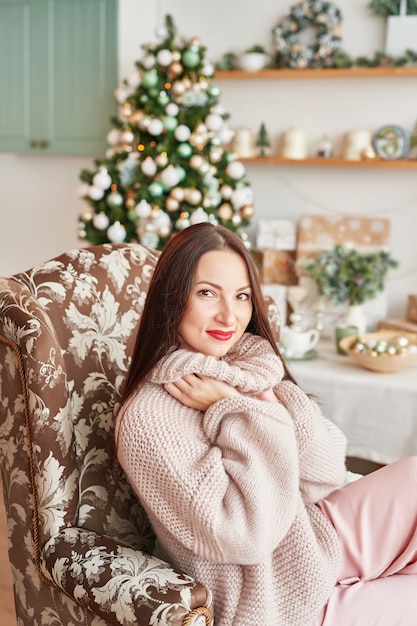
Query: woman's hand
[(267, 396), (199, 392)]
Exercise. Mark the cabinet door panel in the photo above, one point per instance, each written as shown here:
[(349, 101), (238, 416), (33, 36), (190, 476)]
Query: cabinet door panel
[(83, 74), (15, 93), (59, 75)]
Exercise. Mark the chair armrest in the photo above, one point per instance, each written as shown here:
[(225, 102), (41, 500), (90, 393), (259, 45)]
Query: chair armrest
[(121, 584)]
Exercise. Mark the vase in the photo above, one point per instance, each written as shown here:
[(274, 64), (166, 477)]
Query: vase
[(356, 317)]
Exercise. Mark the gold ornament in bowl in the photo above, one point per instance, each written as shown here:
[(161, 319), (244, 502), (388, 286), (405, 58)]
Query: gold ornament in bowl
[(385, 351)]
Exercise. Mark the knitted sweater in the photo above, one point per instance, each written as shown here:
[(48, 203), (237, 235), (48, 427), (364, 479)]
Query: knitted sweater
[(231, 492)]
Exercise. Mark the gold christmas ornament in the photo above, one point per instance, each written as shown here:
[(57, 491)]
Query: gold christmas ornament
[(87, 214), (196, 161), (215, 155), (226, 191), (177, 193), (162, 159), (171, 204), (193, 196), (247, 211), (225, 211)]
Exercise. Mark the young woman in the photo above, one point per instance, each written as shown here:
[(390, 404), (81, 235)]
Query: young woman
[(240, 474)]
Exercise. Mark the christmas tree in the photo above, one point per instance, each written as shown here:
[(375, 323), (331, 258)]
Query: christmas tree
[(166, 166)]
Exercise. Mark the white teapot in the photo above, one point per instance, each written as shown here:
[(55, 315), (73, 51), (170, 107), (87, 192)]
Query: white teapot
[(297, 343)]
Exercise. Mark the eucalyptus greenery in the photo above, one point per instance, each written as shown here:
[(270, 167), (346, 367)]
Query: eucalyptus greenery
[(392, 7), (344, 275)]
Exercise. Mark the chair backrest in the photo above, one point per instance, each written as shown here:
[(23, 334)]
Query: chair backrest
[(67, 329)]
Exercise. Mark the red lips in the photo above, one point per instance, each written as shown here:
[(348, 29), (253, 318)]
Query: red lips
[(220, 335)]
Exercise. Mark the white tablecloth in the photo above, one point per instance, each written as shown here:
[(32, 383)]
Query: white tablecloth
[(377, 412)]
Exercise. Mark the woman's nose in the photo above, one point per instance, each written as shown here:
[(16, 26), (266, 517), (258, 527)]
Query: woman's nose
[(226, 313)]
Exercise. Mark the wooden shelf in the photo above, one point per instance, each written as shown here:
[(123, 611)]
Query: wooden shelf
[(333, 162), (332, 72)]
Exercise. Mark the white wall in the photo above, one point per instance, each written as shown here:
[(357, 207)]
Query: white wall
[(40, 206)]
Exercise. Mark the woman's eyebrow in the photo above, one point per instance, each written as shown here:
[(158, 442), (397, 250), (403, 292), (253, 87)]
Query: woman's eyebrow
[(208, 282)]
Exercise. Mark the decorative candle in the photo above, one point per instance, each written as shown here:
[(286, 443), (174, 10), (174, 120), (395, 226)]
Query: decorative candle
[(294, 144), (356, 142), (243, 143)]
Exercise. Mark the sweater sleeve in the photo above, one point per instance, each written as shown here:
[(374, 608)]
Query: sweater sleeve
[(321, 444)]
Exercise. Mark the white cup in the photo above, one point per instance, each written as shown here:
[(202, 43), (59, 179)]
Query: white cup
[(298, 343)]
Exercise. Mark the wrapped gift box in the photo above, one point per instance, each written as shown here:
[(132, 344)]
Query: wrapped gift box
[(277, 266), (277, 234), (320, 232), (411, 313)]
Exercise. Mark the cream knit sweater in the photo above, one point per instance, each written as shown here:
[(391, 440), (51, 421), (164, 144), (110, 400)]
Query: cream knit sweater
[(231, 492)]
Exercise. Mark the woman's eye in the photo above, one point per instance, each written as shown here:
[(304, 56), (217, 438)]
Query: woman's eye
[(243, 296), (205, 292)]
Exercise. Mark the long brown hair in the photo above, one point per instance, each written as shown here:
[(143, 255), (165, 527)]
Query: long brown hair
[(168, 294)]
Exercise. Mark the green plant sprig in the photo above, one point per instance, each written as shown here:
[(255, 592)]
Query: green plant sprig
[(344, 275)]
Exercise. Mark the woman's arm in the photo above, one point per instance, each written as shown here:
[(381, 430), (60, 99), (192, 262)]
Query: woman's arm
[(321, 444), (224, 483)]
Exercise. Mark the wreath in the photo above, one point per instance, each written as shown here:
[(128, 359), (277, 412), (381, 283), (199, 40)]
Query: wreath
[(325, 17)]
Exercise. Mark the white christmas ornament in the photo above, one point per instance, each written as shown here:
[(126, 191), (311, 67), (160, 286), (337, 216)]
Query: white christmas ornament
[(143, 209), (214, 122), (155, 127), (148, 61), (113, 136), (182, 133), (198, 216), (116, 232), (170, 176), (96, 193), (134, 80), (208, 69), (149, 167), (241, 196), (162, 221), (235, 170), (101, 221), (172, 109), (102, 179), (226, 134), (164, 57)]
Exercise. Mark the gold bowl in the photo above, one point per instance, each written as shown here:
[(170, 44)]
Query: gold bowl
[(385, 351)]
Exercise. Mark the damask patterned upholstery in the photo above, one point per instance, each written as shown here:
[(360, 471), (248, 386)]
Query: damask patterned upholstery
[(80, 544)]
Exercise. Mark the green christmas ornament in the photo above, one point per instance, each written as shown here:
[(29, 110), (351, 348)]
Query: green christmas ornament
[(214, 91), (170, 123), (155, 190), (184, 150), (190, 58), (150, 78)]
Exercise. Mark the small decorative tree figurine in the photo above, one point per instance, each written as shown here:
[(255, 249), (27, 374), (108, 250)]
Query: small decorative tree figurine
[(262, 140), (166, 167)]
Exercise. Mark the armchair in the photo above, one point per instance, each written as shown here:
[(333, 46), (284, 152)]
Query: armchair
[(80, 544)]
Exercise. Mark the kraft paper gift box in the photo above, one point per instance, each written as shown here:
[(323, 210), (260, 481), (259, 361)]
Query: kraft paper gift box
[(276, 266), (320, 232)]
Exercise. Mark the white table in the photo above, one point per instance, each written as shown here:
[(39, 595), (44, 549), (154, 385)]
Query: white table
[(377, 412)]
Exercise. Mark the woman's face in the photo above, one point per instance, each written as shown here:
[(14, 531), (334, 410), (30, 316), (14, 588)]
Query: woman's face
[(219, 306)]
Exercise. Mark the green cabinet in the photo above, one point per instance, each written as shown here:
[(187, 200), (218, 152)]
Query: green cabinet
[(58, 71)]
